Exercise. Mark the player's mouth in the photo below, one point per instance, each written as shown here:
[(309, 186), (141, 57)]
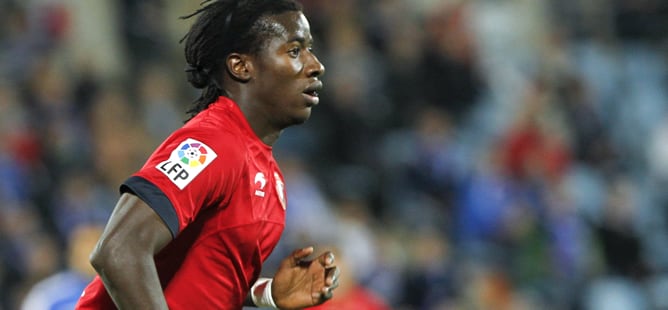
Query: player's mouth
[(311, 93)]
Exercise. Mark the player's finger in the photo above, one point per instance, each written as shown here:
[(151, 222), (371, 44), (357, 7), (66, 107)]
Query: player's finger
[(328, 291), (327, 294), (332, 276), (331, 282), (327, 259)]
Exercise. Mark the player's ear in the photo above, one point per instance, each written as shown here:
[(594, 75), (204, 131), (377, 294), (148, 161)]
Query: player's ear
[(239, 66)]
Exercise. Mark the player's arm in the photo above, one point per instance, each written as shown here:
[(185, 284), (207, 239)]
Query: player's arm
[(298, 282), (123, 257)]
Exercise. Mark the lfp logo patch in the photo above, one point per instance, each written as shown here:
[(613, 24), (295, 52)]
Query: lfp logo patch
[(186, 162), (193, 154)]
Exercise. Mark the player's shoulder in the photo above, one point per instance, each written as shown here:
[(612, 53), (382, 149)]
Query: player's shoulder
[(213, 141), (189, 152)]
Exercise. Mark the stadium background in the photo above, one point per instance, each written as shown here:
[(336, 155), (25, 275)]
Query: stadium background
[(465, 154)]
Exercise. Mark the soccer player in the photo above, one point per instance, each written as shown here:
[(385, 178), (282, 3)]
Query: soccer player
[(193, 226)]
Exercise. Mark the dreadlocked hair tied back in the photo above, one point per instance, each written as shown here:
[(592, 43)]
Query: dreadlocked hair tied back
[(223, 27)]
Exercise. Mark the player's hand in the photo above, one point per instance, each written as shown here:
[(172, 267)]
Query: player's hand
[(300, 283)]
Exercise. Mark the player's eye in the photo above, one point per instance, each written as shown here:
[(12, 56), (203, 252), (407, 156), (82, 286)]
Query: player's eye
[(294, 52)]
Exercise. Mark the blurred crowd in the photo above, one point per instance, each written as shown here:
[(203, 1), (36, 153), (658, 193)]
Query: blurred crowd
[(466, 154)]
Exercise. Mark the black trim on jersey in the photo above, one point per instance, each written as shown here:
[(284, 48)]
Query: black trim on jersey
[(155, 198)]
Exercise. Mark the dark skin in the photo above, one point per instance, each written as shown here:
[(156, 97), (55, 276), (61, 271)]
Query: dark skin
[(271, 94), (274, 89)]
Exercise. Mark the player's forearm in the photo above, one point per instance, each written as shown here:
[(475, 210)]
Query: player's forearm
[(131, 281)]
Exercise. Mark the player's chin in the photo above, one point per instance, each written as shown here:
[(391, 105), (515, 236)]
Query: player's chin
[(302, 116), (295, 118), (300, 120)]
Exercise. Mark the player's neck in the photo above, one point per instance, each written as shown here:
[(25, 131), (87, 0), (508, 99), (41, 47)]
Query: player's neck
[(261, 126)]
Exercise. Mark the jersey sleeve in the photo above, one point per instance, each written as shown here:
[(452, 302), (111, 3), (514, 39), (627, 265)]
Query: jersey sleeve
[(191, 171)]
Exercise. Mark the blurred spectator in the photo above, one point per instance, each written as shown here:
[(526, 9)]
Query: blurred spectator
[(429, 281), (18, 147), (485, 200), (535, 148), (641, 20), (28, 252), (80, 199), (62, 289), (657, 153), (157, 94), (618, 234), (448, 68), (142, 28), (615, 293), (421, 169), (485, 287)]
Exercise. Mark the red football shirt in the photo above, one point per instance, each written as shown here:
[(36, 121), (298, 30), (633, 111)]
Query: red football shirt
[(217, 187)]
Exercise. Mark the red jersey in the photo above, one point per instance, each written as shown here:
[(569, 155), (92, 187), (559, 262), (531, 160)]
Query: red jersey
[(217, 187)]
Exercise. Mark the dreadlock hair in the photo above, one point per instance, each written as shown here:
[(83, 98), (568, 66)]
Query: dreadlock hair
[(223, 27)]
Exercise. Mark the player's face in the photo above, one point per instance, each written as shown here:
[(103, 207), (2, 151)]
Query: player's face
[(287, 71)]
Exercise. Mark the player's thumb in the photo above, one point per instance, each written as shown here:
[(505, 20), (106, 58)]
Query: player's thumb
[(300, 254)]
